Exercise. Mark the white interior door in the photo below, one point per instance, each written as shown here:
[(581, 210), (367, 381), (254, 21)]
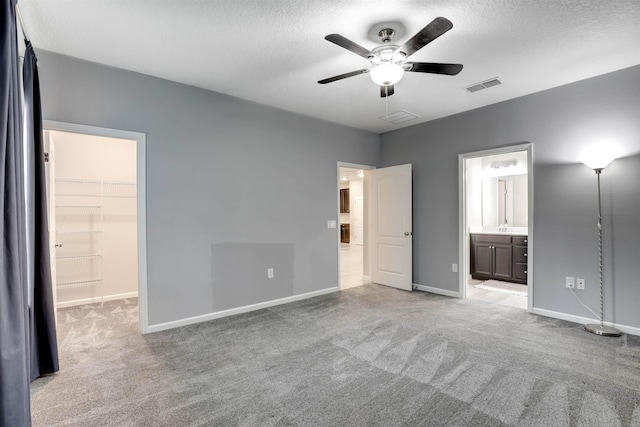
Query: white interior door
[(50, 176), (390, 207)]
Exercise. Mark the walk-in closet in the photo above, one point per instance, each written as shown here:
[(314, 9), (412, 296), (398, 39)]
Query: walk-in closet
[(93, 192)]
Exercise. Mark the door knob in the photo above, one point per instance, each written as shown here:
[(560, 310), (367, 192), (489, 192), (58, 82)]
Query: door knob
[(408, 233)]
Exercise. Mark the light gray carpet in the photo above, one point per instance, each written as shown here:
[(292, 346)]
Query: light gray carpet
[(366, 356)]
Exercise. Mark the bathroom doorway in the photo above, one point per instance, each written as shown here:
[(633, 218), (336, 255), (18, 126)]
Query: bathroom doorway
[(496, 226)]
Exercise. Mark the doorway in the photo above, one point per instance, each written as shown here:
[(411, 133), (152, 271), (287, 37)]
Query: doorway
[(496, 226), (351, 225), (97, 221)]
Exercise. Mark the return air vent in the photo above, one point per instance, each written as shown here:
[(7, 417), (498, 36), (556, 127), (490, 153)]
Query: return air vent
[(484, 85), (399, 117)]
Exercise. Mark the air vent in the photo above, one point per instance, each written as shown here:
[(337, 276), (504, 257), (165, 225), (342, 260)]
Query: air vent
[(484, 85), (475, 88), (399, 117)]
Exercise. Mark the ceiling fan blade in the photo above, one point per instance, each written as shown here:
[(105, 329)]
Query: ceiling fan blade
[(349, 45), (386, 91), (343, 76), (432, 31), (433, 67)]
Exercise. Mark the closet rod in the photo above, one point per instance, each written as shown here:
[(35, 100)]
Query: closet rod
[(21, 22)]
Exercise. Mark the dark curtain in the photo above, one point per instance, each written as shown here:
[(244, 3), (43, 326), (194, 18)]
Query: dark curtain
[(14, 319), (44, 350)]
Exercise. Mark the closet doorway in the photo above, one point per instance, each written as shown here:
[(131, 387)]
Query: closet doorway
[(96, 224)]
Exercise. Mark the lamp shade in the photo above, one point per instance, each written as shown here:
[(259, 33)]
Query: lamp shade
[(598, 162), (386, 74)]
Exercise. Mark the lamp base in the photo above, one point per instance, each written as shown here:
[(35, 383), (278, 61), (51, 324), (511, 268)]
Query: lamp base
[(606, 331)]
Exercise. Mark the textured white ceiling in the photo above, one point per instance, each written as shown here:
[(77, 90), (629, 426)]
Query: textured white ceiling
[(273, 51)]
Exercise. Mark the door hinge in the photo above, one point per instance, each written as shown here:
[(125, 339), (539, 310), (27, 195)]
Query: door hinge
[(46, 157)]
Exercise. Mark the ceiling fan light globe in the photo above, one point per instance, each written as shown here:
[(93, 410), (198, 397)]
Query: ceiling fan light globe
[(386, 74)]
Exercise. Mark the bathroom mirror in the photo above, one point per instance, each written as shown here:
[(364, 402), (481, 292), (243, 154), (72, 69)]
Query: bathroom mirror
[(504, 201)]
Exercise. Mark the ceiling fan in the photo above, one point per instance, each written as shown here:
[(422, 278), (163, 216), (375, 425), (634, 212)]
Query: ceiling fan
[(389, 61)]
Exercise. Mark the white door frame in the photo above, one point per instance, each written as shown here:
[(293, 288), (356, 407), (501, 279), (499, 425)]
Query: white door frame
[(366, 240), (141, 186), (463, 245)]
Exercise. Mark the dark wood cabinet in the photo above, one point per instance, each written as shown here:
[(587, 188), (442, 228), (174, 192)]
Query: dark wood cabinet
[(345, 233), (520, 258), (344, 200), (500, 257), (502, 262), (482, 260)]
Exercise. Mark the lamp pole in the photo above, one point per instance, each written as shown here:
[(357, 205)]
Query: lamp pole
[(601, 329)]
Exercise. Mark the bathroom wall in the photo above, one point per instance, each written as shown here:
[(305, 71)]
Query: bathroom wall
[(474, 192), (520, 201)]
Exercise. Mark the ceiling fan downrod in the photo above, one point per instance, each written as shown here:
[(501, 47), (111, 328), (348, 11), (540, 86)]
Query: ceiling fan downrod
[(386, 35)]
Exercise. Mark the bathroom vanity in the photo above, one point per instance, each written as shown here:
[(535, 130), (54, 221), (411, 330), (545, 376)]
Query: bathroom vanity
[(499, 257)]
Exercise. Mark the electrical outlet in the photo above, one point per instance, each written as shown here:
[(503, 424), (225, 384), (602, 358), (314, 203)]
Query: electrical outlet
[(454, 268), (569, 282), (580, 284), (269, 273)]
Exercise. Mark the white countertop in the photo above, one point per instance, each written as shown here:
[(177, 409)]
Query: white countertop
[(510, 231)]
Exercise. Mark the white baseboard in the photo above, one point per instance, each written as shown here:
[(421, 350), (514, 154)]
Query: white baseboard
[(366, 280), (245, 309), (584, 320), (96, 299), (436, 291)]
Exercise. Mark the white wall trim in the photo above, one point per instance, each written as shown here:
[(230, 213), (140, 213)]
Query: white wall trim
[(584, 320), (141, 140), (438, 291), (94, 300), (366, 280), (239, 310)]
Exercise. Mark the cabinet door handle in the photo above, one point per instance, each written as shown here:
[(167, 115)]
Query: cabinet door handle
[(525, 254), (525, 272), (525, 240)]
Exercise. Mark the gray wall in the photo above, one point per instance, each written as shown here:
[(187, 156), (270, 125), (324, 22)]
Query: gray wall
[(232, 187), (561, 123)]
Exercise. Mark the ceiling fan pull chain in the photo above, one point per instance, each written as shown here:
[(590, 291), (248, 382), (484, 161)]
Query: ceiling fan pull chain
[(386, 103)]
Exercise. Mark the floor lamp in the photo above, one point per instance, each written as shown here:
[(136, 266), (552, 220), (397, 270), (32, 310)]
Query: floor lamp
[(600, 329)]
